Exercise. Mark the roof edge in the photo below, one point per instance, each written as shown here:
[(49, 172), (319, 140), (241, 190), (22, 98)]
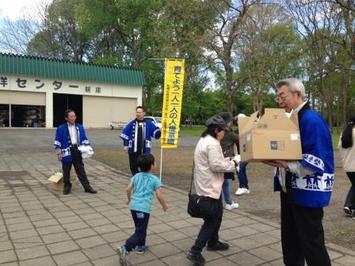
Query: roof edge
[(67, 61)]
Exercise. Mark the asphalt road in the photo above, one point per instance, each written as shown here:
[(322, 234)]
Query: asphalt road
[(42, 139)]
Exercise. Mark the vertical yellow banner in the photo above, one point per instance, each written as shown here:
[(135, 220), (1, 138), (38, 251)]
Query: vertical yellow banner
[(172, 102)]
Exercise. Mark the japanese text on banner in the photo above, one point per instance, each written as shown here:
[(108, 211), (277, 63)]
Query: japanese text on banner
[(172, 102)]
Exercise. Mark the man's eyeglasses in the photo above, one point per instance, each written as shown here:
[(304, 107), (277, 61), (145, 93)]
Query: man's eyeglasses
[(278, 98)]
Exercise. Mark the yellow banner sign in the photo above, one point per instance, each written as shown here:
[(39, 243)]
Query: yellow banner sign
[(172, 102)]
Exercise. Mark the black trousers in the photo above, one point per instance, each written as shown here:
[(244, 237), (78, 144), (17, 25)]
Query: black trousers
[(79, 169), (302, 235), (350, 198), (209, 230), (141, 220), (133, 163)]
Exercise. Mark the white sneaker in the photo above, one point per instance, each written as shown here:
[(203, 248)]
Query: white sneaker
[(232, 206), (242, 191)]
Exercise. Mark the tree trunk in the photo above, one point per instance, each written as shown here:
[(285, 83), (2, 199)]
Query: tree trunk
[(345, 97), (229, 87)]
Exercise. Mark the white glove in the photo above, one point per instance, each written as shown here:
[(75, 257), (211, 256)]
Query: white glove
[(238, 168)]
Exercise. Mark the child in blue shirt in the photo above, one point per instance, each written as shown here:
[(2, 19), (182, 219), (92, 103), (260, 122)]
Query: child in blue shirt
[(140, 193)]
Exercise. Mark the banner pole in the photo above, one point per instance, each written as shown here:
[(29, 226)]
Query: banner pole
[(161, 163)]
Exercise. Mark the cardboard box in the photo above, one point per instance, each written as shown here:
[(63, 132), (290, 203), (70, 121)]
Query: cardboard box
[(56, 177), (274, 136)]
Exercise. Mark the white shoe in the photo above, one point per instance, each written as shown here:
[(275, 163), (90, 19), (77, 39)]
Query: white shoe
[(242, 191), (232, 206)]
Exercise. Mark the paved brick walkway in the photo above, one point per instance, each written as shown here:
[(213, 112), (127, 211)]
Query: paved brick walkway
[(41, 226)]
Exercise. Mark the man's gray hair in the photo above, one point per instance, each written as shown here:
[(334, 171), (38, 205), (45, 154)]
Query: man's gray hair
[(293, 84)]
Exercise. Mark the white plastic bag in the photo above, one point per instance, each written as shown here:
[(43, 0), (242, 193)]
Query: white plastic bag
[(86, 151)]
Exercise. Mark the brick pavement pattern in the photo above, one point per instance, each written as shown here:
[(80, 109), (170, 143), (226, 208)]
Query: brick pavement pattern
[(41, 226)]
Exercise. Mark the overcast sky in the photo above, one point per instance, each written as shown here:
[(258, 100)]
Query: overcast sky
[(15, 9)]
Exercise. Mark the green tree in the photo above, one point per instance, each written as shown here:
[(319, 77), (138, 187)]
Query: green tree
[(220, 42), (327, 38), (134, 33), (270, 50), (60, 37), (127, 33), (186, 28)]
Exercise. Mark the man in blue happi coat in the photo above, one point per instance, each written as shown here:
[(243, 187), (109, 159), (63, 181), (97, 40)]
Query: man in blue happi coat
[(304, 185), (137, 136), (69, 136)]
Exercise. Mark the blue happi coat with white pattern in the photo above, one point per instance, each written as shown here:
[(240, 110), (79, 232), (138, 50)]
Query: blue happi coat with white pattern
[(129, 135), (63, 142), (317, 150)]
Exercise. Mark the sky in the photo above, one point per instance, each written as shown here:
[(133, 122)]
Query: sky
[(15, 9)]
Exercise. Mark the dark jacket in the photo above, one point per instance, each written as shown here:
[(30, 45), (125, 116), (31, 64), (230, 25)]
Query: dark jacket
[(230, 139)]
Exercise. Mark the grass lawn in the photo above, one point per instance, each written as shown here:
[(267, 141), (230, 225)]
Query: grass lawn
[(194, 131), (336, 131)]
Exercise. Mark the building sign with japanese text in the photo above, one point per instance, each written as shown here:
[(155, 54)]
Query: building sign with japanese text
[(35, 84), (172, 102)]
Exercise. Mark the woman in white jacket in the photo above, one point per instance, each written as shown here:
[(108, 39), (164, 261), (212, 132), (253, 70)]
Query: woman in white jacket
[(347, 152), (209, 168)]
